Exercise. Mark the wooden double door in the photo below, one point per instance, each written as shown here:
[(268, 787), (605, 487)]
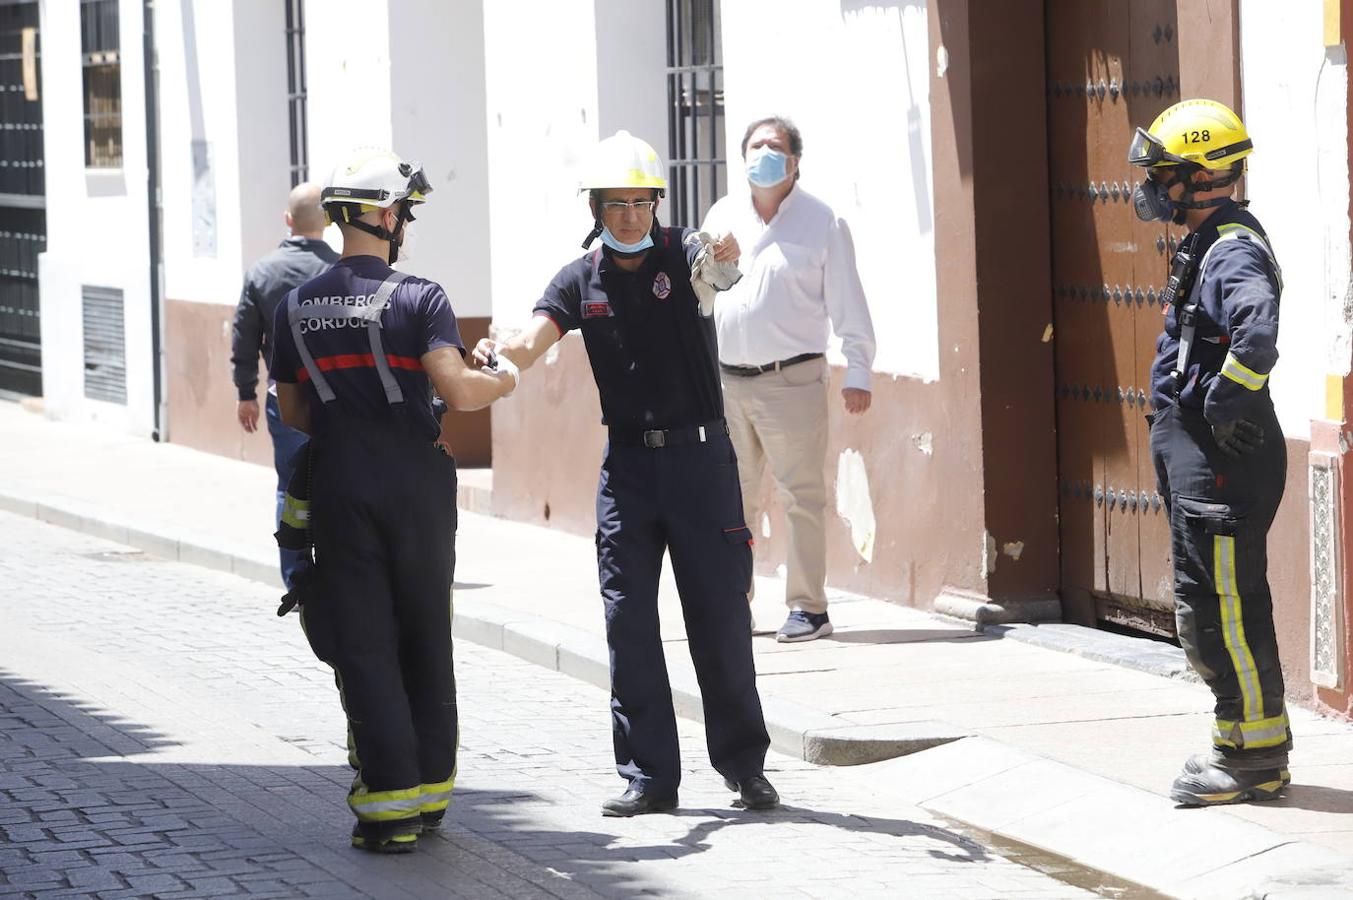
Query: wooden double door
[(1111, 65)]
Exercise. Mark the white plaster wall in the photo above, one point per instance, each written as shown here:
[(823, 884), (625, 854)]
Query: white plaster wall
[(347, 55), (1295, 109), (97, 230), (200, 100), (541, 83), (853, 75), (438, 118), (631, 40), (262, 135)]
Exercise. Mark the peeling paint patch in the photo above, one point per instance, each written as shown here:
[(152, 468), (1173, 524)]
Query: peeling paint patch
[(925, 442), (1014, 550), (765, 526), (988, 554), (853, 503), (1047, 333)]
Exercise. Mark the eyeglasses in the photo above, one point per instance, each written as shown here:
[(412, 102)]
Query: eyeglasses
[(619, 206)]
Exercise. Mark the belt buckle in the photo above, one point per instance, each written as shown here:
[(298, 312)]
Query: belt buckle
[(655, 439)]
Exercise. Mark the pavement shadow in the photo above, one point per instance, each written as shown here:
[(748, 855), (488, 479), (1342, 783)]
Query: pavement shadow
[(696, 840), (908, 636), (38, 723), (1316, 798)]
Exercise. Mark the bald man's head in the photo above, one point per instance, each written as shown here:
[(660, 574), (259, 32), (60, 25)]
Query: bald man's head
[(304, 215)]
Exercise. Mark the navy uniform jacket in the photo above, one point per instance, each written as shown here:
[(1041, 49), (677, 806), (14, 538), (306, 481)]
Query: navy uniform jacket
[(418, 320), (654, 357), (295, 261), (1237, 340)]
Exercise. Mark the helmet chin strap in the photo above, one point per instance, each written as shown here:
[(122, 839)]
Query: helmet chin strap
[(1187, 202), (395, 238)]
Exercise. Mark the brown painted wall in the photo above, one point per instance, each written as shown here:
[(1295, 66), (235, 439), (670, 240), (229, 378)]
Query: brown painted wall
[(1014, 281), (201, 396), (1289, 573)]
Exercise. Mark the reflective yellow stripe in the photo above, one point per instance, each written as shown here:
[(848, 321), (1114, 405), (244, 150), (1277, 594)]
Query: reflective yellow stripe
[(383, 806), (1233, 626), (437, 796), (295, 513), (1261, 733), (1242, 374), (1233, 227)]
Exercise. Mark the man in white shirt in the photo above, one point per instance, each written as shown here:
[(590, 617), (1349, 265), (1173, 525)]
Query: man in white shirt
[(800, 282)]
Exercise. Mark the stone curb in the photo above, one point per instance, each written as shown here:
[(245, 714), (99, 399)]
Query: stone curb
[(1090, 819), (1152, 657), (796, 730)]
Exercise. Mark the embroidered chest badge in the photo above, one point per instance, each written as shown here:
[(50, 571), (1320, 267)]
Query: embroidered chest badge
[(662, 286), (597, 309)]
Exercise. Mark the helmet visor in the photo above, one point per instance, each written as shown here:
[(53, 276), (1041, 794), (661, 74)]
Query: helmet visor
[(1146, 149), (419, 186)]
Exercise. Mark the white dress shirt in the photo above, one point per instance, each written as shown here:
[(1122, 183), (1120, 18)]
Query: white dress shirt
[(799, 282)]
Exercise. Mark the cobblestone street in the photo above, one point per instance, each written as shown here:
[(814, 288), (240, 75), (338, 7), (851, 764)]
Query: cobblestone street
[(163, 733)]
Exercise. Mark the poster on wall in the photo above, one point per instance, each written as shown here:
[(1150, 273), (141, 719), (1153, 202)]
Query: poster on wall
[(204, 200)]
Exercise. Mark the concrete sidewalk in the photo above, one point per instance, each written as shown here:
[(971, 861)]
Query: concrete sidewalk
[(1065, 751)]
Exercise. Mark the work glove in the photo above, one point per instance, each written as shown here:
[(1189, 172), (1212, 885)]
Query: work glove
[(709, 275), (1238, 438)]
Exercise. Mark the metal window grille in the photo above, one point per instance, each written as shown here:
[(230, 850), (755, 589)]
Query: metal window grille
[(105, 345), (100, 53), (21, 153), (300, 160), (22, 238), (695, 116)]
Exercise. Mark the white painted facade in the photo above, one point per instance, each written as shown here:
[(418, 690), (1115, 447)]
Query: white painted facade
[(541, 128), (854, 77), (1294, 96), (97, 231), (501, 116)]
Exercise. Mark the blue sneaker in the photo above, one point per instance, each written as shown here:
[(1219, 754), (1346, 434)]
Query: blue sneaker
[(804, 626)]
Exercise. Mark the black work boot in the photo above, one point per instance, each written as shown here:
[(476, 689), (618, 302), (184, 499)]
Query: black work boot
[(383, 838), (1204, 783)]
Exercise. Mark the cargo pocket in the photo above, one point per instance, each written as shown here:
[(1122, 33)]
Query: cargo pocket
[(1208, 551), (740, 540)]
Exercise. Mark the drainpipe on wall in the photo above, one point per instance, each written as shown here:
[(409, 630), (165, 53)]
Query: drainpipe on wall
[(151, 75)]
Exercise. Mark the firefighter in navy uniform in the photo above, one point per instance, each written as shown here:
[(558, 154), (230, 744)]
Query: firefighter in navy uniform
[(357, 350), (669, 480), (1216, 443)]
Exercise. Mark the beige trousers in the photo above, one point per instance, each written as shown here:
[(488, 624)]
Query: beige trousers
[(780, 419)]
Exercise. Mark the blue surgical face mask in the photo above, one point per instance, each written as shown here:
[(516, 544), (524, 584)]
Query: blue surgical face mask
[(766, 167), (637, 247)]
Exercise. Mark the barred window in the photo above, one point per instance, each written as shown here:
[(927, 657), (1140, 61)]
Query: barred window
[(102, 61), (300, 160), (695, 117)]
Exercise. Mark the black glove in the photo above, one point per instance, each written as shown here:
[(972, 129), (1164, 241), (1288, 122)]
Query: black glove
[(1238, 438)]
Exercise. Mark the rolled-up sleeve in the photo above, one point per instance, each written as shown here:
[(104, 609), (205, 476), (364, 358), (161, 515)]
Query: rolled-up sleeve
[(847, 307)]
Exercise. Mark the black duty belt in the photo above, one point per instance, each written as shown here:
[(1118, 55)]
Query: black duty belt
[(671, 437), (753, 371)]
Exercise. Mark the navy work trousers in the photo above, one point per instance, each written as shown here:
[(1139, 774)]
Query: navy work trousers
[(685, 500), (1220, 512), (286, 442), (383, 517)]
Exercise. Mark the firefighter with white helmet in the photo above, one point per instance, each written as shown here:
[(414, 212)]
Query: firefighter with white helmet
[(1217, 446), (669, 481), (358, 350)]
